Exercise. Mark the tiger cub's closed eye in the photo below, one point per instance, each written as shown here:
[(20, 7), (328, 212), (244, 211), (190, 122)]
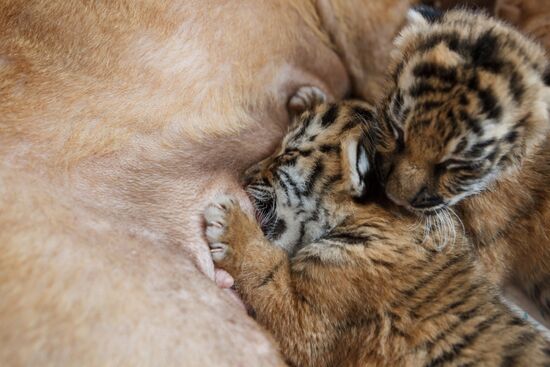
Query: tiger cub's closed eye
[(457, 164)]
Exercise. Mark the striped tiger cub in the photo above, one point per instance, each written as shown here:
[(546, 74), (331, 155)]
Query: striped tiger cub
[(465, 129), (344, 277)]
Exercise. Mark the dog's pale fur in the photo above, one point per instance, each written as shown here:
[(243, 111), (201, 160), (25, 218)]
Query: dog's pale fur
[(118, 121)]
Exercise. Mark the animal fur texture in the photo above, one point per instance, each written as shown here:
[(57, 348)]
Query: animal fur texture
[(118, 122), (466, 128), (346, 278)]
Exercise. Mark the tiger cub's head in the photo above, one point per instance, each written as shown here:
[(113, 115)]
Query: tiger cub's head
[(302, 191), (467, 103)]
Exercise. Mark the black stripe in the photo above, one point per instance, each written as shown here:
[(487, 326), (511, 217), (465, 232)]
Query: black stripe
[(350, 125), (473, 82), (463, 99), (515, 83), (431, 69), (386, 264), (490, 103), (313, 177), (287, 161), (278, 229), (452, 40), (467, 315), (399, 70), (546, 76), (422, 123), (349, 238), (472, 122), (516, 349), (460, 146), (484, 144), (437, 291), (327, 184), (452, 119), (478, 149), (396, 104), (284, 186), (288, 180), (454, 190), (304, 123), (464, 297), (510, 360), (397, 331), (428, 105), (485, 53), (329, 116), (422, 88), (357, 321), (511, 137), (329, 148), (366, 114), (517, 321), (428, 279), (457, 348), (270, 276)]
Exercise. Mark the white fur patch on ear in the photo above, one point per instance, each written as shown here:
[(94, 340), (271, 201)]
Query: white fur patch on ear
[(358, 166), (362, 161), (415, 19), (415, 23)]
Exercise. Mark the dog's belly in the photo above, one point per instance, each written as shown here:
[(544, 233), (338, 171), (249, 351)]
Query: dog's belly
[(78, 288), (120, 128)]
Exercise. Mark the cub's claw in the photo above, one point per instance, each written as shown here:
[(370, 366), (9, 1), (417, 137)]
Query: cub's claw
[(216, 216), (218, 251), (306, 98)]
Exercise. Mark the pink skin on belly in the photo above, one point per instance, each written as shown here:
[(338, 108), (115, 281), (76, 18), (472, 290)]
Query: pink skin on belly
[(225, 281)]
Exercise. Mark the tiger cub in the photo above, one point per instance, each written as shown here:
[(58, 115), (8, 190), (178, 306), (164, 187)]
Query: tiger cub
[(364, 285), (465, 128)]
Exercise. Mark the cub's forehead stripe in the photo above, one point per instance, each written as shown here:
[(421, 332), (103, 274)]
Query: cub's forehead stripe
[(330, 116), (429, 69)]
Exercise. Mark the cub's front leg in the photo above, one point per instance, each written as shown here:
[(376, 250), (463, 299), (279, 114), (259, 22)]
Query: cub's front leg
[(262, 274)]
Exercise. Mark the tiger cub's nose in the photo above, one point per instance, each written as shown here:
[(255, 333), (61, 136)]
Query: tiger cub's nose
[(424, 199)]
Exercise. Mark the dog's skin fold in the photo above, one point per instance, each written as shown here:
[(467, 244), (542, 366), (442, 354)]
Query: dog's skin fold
[(118, 122)]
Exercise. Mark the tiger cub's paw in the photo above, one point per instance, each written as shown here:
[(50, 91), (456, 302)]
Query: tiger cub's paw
[(217, 219), (227, 232), (306, 98)]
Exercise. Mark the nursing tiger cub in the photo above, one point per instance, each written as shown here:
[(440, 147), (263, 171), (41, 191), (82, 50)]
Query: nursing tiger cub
[(364, 285), (465, 126)]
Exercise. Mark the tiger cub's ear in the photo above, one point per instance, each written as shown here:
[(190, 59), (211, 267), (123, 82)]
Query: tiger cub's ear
[(357, 164), (419, 18)]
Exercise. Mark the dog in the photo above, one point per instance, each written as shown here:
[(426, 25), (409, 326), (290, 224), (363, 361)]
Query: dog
[(119, 120)]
